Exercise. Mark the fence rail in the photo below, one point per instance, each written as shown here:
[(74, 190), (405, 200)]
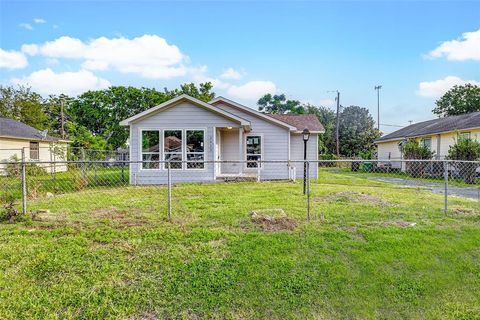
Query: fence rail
[(24, 183)]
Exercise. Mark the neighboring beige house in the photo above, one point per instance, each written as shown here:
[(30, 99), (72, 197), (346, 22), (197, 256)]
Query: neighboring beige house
[(16, 136), (438, 135)]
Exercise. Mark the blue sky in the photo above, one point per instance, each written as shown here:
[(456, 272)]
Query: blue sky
[(416, 50)]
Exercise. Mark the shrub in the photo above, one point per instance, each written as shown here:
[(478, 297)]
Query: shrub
[(466, 150), (327, 156), (31, 169), (413, 150)]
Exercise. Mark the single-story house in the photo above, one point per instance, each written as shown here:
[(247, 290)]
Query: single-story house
[(16, 136), (187, 129), (437, 135)]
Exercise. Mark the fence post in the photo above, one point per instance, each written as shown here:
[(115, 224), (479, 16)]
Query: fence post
[(308, 191), (24, 184), (258, 171), (82, 154), (445, 175), (169, 184)]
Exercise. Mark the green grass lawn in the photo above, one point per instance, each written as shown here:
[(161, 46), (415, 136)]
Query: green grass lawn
[(372, 250)]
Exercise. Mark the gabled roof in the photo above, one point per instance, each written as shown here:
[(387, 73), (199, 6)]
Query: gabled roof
[(435, 126), (252, 112), (181, 98), (10, 128), (301, 121)]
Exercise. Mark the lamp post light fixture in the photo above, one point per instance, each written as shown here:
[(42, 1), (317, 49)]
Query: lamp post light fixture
[(306, 136)]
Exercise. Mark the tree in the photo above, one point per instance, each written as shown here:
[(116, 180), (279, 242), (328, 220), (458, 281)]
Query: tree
[(466, 150), (24, 105), (357, 131), (326, 116), (101, 111), (458, 100), (279, 104)]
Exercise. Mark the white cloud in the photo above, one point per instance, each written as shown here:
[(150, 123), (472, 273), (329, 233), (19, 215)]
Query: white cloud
[(12, 59), (46, 81), (435, 89), (328, 102), (465, 48), (149, 55), (27, 26), (231, 73), (39, 20), (252, 90)]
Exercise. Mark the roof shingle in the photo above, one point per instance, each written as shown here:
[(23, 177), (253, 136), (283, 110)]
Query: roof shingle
[(16, 129), (453, 123), (300, 121)]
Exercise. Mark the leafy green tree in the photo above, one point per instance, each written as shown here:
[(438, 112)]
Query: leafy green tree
[(326, 116), (279, 104), (413, 149), (458, 100), (22, 104), (357, 131), (466, 150)]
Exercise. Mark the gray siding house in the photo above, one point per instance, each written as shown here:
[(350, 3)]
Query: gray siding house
[(189, 130)]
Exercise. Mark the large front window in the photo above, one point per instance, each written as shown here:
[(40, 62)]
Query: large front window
[(173, 148), (150, 149), (254, 151), (195, 148)]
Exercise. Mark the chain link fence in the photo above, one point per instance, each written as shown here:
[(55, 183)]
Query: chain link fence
[(307, 188)]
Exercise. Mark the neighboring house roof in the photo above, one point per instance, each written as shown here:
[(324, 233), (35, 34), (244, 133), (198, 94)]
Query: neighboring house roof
[(252, 112), (435, 126), (10, 128), (181, 98), (301, 121)]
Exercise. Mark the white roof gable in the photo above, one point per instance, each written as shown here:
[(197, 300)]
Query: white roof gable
[(253, 112), (184, 97)]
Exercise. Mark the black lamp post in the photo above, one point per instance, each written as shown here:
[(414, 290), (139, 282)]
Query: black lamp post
[(306, 136)]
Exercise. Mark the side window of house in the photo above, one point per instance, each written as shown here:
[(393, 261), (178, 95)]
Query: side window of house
[(195, 148), (150, 149), (172, 148), (427, 143), (34, 151), (464, 135), (254, 150)]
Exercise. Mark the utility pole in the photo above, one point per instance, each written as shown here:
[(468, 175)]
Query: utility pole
[(337, 132), (378, 105), (62, 118)]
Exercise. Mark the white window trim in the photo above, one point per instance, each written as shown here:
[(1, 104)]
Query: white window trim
[(140, 148), (262, 143), (204, 149)]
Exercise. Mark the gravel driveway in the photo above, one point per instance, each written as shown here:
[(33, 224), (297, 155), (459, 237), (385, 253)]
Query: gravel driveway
[(467, 192)]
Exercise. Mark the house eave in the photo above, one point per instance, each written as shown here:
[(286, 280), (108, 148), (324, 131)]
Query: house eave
[(424, 135)]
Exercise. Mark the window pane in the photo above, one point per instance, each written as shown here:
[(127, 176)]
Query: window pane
[(148, 161), (195, 140), (172, 141), (254, 145), (150, 141), (195, 157), (34, 152), (427, 143), (173, 157), (252, 158)]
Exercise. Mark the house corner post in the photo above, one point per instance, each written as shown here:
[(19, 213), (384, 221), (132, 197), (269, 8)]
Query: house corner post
[(24, 183)]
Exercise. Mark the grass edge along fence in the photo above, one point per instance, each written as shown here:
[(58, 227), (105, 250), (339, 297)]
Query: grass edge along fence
[(19, 178)]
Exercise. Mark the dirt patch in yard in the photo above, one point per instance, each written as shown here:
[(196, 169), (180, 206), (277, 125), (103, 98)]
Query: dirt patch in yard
[(122, 218), (401, 224), (466, 212), (350, 196), (273, 220)]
